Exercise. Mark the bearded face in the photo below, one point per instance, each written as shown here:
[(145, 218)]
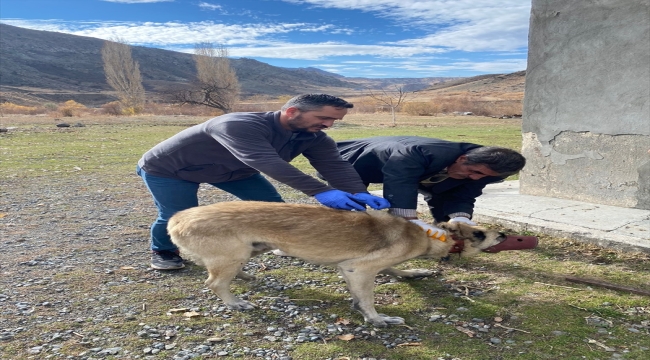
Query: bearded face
[(313, 121)]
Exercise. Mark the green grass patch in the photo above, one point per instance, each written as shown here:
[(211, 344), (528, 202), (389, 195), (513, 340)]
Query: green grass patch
[(114, 149)]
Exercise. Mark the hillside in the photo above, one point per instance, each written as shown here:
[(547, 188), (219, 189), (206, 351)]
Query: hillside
[(488, 87), (41, 66), (57, 67)]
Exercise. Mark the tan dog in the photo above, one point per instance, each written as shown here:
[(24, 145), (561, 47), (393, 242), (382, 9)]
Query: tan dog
[(224, 236)]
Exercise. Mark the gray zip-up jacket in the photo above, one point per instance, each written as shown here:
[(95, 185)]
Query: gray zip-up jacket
[(238, 145)]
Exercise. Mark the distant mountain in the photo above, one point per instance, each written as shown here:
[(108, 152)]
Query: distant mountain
[(489, 82), (316, 70), (493, 87), (407, 84), (38, 66)]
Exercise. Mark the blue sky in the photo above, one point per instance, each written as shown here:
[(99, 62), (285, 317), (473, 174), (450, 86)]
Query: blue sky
[(354, 38)]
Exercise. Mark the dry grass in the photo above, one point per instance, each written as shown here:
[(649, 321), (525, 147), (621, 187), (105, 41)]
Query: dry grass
[(416, 106)]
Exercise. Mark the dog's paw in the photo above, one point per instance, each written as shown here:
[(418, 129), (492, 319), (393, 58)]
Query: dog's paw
[(245, 276), (416, 273), (390, 320), (407, 274), (241, 305)]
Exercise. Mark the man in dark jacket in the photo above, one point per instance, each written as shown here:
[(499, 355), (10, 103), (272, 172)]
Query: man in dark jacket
[(230, 151), (450, 175)]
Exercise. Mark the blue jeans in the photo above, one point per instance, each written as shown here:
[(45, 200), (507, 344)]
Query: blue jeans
[(173, 195)]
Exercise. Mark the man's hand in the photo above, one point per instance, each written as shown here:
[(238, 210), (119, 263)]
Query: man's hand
[(374, 202), (338, 199), (462, 219), (432, 231)]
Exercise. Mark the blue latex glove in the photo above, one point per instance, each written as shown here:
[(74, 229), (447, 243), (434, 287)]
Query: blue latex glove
[(338, 199), (374, 202)]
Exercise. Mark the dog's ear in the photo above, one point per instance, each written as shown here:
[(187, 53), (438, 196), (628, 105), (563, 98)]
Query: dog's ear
[(476, 238), (451, 228), (460, 231)]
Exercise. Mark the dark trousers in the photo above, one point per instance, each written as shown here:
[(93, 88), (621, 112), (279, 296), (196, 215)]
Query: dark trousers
[(436, 204)]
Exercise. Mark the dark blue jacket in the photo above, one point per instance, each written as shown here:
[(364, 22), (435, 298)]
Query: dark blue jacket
[(402, 162)]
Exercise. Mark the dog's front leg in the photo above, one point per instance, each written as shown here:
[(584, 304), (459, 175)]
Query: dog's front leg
[(361, 283), (407, 274)]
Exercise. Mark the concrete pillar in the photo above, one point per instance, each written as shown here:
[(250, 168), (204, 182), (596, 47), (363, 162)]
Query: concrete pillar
[(586, 121)]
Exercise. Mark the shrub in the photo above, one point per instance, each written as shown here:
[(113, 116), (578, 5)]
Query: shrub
[(284, 98), (421, 108), (112, 108), (258, 106), (71, 108), (50, 106), (131, 110), (11, 108), (155, 108), (462, 104), (363, 106)]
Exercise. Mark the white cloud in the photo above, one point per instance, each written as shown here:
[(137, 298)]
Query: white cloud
[(469, 25), (251, 40), (508, 33), (486, 67), (170, 33), (423, 67), (499, 27), (208, 6), (318, 51), (328, 28)]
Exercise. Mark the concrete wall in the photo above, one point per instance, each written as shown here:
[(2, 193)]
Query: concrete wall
[(586, 121)]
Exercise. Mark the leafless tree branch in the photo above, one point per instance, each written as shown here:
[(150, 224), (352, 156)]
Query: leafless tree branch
[(123, 74), (216, 83), (392, 98)]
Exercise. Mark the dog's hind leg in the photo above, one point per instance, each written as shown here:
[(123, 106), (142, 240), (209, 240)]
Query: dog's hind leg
[(258, 248), (407, 274), (221, 272), (361, 283)]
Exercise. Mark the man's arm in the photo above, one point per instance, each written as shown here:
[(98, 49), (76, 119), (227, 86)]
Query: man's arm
[(402, 173), (324, 156), (247, 141)]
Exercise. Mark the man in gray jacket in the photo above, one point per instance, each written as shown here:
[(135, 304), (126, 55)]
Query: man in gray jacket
[(230, 151)]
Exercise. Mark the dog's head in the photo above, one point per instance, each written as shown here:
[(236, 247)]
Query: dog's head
[(476, 238)]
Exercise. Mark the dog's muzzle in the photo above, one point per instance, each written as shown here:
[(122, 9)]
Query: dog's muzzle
[(511, 242)]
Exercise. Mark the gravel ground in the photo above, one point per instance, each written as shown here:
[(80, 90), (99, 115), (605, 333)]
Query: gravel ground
[(74, 252), (76, 284)]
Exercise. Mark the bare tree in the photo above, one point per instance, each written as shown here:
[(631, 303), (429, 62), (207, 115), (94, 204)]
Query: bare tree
[(391, 98), (123, 75), (216, 83)]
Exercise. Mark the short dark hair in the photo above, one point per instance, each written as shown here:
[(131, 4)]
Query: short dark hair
[(501, 160), (311, 102)]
